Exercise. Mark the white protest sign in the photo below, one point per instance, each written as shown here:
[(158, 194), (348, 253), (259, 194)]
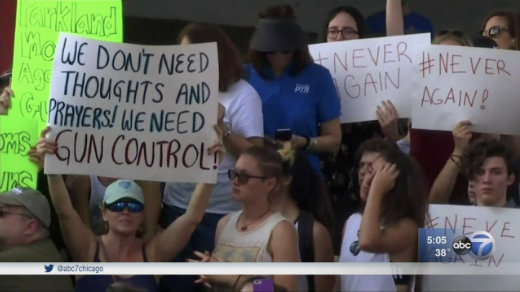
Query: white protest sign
[(369, 71), (502, 223), (133, 111), (460, 83)]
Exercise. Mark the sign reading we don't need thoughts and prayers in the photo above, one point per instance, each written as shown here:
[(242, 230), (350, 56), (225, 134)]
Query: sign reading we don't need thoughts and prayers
[(134, 111)]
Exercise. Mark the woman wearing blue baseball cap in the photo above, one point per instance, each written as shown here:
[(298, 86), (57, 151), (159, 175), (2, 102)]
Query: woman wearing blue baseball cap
[(122, 211)]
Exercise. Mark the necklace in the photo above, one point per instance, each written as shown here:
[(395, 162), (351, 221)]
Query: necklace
[(246, 225)]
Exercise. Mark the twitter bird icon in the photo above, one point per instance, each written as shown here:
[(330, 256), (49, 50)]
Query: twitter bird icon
[(48, 268)]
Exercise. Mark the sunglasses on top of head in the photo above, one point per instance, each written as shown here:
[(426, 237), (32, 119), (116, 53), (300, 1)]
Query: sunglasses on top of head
[(242, 177), (131, 205)]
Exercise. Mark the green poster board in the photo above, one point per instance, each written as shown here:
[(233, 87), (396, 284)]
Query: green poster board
[(15, 142), (38, 24)]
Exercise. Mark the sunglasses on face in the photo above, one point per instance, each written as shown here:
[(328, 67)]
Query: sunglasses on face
[(493, 31), (131, 206), (242, 177)]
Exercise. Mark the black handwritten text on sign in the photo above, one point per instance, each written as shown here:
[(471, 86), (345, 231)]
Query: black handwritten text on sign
[(146, 111)]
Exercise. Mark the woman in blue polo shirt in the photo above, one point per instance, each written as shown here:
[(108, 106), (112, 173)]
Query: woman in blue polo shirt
[(296, 93)]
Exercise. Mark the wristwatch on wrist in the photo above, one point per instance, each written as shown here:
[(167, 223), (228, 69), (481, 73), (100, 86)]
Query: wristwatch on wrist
[(313, 143)]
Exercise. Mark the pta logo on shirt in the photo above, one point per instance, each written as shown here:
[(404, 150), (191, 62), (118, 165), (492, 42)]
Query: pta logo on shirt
[(302, 88)]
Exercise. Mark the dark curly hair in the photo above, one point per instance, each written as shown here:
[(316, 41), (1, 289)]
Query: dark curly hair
[(409, 197), (482, 149)]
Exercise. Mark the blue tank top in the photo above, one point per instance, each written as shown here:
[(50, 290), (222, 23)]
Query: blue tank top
[(102, 282)]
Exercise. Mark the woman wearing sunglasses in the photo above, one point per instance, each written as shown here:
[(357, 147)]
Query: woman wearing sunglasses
[(122, 211), (243, 127), (504, 28), (256, 233)]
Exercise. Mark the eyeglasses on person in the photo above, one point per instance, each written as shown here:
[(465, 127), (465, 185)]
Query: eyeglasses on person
[(242, 177), (345, 32), (493, 31), (131, 205)]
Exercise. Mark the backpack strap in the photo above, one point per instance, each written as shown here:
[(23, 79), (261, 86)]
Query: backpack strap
[(305, 242)]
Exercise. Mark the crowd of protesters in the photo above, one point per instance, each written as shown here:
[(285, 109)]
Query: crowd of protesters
[(326, 191)]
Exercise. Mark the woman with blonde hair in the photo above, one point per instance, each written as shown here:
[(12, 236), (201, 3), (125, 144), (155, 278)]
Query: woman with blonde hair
[(242, 126), (256, 233)]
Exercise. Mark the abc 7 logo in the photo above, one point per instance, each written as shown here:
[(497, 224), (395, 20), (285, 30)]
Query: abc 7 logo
[(479, 245)]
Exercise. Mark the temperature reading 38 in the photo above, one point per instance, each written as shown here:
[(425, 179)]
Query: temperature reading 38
[(441, 252)]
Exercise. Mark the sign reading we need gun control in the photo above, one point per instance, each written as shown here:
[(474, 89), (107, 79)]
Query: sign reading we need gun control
[(133, 111), (460, 83), (368, 71)]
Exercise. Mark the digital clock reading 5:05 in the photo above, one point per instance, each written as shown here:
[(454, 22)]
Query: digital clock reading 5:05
[(435, 245), (436, 240)]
